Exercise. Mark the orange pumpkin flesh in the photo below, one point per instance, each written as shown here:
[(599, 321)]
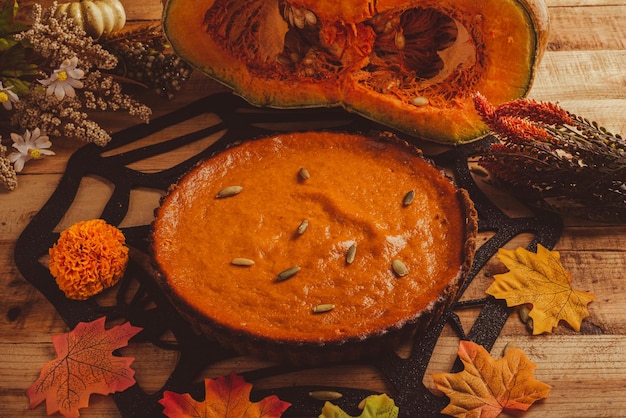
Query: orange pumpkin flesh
[(410, 65)]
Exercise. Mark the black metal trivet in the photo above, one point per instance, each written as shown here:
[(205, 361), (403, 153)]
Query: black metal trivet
[(139, 301)]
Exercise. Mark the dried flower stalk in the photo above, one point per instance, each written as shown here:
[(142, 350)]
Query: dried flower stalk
[(8, 176), (55, 40), (555, 158)]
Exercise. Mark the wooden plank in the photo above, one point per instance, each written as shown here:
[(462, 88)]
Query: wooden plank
[(586, 28), (574, 366), (571, 75), (553, 4), (583, 70), (591, 84), (24, 202), (135, 10), (143, 10)]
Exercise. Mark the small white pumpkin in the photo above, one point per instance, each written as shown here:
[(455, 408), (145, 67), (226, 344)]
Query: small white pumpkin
[(96, 17)]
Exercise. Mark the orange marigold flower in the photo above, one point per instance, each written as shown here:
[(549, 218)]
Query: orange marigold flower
[(89, 257)]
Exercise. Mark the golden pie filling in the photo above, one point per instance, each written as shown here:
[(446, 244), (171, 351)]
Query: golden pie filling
[(313, 239)]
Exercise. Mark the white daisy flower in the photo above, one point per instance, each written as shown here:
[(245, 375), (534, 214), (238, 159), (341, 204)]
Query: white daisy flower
[(64, 79), (30, 146), (7, 97)]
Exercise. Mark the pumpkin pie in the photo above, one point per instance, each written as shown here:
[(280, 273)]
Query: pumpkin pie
[(313, 246)]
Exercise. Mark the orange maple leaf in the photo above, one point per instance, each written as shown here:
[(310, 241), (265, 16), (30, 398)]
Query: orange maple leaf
[(226, 397), (541, 280), (486, 387), (85, 365)]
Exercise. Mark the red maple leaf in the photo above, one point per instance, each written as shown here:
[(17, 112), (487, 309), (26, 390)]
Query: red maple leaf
[(85, 365), (226, 397)]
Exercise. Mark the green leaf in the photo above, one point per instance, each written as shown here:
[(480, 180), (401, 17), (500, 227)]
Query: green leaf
[(21, 87), (8, 12), (6, 44), (13, 57), (376, 406), (7, 25), (15, 69)]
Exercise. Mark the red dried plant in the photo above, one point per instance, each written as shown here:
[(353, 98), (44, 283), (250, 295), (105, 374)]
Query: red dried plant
[(556, 159)]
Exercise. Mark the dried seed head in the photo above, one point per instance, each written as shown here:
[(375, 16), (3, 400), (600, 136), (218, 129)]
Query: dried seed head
[(229, 191), (324, 307), (288, 273), (399, 268)]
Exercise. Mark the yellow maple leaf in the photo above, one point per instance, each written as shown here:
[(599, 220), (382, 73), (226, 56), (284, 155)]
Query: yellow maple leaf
[(541, 280), (486, 387)]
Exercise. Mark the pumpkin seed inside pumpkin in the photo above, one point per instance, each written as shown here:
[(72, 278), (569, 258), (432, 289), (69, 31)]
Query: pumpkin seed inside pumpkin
[(420, 101)]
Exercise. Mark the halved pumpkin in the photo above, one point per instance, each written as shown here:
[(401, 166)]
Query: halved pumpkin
[(410, 65)]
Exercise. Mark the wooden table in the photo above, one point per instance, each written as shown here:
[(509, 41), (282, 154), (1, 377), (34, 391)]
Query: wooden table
[(584, 69)]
